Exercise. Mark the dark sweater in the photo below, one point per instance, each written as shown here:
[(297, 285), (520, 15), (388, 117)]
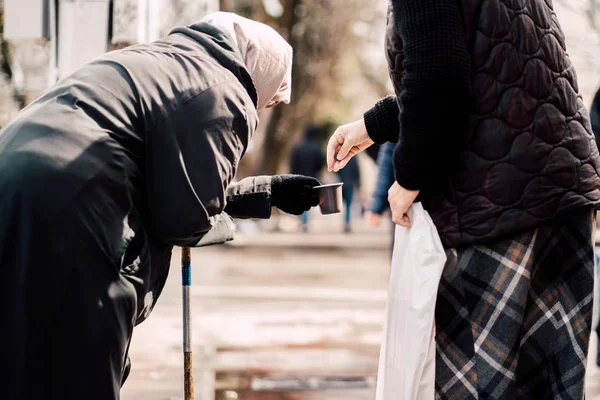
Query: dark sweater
[(493, 129), (435, 78)]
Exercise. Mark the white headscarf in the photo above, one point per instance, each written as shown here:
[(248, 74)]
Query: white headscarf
[(267, 56)]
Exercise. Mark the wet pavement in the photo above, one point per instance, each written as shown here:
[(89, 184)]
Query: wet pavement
[(284, 316)]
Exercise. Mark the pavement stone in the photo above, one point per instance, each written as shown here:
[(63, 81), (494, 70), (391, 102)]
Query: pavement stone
[(272, 310)]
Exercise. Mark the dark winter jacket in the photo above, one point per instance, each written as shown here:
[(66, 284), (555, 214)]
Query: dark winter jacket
[(494, 130), (168, 122)]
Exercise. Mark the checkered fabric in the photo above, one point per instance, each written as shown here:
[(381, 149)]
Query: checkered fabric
[(514, 318)]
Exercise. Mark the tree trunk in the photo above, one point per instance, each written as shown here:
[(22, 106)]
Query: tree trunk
[(592, 14), (273, 146), (321, 35), (224, 5)]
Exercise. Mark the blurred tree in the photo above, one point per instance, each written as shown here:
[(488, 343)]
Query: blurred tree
[(10, 98), (588, 7), (124, 24), (579, 20), (327, 46), (176, 13), (4, 48)]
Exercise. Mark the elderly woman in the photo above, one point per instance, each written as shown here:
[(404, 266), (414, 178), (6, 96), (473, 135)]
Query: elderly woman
[(494, 139), (100, 177)]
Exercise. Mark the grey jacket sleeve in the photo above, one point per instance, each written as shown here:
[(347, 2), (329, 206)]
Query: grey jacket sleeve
[(192, 156), (250, 198), (223, 230)]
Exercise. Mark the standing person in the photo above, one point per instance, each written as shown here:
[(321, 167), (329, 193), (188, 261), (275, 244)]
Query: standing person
[(308, 158), (595, 116), (101, 176), (595, 120), (497, 144), (385, 179), (350, 176)]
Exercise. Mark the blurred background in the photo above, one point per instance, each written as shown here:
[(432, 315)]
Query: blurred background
[(294, 308)]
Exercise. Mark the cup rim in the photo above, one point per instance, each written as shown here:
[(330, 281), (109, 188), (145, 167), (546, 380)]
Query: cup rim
[(329, 185)]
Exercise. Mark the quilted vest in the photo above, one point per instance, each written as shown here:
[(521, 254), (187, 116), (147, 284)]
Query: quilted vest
[(531, 156)]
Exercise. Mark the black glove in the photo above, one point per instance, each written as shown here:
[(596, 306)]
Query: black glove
[(294, 194)]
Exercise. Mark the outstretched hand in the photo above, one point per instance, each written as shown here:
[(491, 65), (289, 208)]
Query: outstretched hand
[(294, 194), (347, 141)]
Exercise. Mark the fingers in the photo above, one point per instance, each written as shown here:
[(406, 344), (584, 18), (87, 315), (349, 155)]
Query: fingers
[(312, 182), (312, 197), (400, 217), (307, 196), (339, 164), (333, 147), (314, 201), (300, 206), (399, 204), (346, 141), (373, 219), (302, 180), (345, 153), (402, 220)]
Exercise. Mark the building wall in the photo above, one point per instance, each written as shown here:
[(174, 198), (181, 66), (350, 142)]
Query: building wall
[(83, 32)]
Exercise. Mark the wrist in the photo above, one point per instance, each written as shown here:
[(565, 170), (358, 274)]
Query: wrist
[(381, 121), (364, 133)]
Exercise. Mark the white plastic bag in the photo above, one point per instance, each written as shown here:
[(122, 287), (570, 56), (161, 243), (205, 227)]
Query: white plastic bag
[(407, 358)]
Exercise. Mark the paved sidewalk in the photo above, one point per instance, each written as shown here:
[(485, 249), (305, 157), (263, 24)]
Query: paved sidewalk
[(276, 316)]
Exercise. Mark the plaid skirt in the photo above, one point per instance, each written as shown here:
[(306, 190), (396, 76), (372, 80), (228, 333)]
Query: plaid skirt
[(514, 318)]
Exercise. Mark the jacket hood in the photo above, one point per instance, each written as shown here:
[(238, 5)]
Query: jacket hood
[(223, 49)]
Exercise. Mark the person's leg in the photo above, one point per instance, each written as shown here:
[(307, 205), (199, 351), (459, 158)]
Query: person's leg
[(304, 217), (348, 197)]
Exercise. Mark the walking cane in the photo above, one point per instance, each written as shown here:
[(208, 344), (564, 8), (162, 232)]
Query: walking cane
[(222, 231), (186, 282)]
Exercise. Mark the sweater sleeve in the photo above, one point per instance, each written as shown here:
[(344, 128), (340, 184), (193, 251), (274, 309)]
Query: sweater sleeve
[(382, 121), (436, 94)]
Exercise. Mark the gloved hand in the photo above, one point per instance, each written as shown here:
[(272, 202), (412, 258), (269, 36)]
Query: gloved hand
[(294, 194)]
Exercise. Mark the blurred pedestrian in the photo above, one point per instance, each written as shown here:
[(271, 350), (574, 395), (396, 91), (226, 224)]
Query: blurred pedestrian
[(350, 176), (102, 175), (595, 117), (385, 179), (308, 158), (497, 144), (595, 121)]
